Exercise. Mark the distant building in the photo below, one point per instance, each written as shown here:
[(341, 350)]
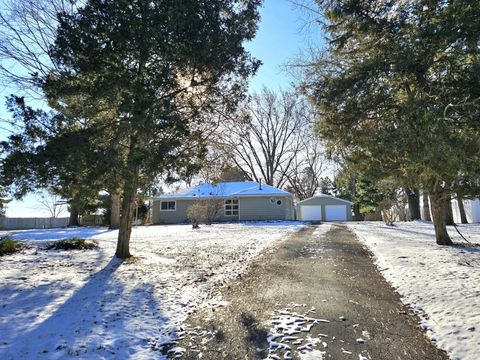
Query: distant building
[(324, 208), (240, 201)]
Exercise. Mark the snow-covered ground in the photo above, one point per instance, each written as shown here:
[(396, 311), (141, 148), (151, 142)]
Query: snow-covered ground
[(441, 284), (86, 304)]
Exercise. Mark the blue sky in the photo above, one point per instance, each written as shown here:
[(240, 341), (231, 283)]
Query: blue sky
[(280, 39)]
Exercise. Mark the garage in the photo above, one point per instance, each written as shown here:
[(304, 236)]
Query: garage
[(335, 213), (324, 208), (311, 213)]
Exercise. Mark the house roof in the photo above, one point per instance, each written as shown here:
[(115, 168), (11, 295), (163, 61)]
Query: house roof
[(325, 196), (226, 189)]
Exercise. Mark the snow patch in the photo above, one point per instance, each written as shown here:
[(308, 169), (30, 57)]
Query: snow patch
[(312, 355), (290, 332), (86, 304), (439, 283)]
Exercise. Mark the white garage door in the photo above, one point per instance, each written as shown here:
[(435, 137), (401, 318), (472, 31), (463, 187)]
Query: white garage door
[(311, 213), (335, 213)]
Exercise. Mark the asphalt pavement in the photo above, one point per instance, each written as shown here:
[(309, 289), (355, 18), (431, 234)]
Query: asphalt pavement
[(323, 290)]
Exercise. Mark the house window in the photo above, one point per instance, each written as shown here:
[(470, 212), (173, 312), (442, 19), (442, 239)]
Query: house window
[(167, 205), (231, 207)]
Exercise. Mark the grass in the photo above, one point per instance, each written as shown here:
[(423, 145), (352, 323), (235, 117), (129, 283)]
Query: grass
[(8, 245), (72, 244)]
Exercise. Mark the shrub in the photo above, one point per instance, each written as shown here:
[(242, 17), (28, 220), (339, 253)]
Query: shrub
[(196, 213), (204, 211), (212, 207), (8, 245), (389, 210), (72, 244)]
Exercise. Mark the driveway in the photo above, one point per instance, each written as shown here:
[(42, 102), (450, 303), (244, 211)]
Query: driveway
[(320, 296)]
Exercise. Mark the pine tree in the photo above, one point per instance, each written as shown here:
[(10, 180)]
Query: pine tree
[(387, 91), (48, 152), (143, 74)]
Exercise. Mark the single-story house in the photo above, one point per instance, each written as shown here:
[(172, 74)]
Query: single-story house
[(324, 208), (239, 201)]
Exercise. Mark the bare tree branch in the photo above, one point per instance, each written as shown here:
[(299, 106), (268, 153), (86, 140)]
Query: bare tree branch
[(27, 30), (271, 139)]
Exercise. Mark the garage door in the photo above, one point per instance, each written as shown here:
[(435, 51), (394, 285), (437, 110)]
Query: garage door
[(335, 213), (311, 213)]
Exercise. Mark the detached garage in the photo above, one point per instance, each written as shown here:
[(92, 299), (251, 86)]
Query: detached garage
[(324, 208)]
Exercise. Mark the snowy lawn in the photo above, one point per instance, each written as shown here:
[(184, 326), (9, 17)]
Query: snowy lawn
[(86, 304), (441, 284)]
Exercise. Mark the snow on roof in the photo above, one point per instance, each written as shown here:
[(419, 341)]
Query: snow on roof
[(226, 189), (326, 196)]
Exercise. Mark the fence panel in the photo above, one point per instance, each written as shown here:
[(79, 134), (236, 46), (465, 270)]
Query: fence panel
[(32, 223)]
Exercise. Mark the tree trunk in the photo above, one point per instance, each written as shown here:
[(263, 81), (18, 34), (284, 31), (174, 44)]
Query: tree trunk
[(426, 207), (461, 208), (115, 210), (357, 216), (449, 212), (439, 214), (126, 221), (74, 211), (74, 214), (413, 203)]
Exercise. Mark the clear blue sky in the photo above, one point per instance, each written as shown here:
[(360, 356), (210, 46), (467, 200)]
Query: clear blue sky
[(280, 39)]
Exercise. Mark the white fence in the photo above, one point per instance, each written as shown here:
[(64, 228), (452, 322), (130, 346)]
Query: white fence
[(32, 223)]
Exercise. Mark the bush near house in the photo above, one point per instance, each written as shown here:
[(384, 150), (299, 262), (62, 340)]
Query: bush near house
[(8, 245), (204, 211), (196, 214)]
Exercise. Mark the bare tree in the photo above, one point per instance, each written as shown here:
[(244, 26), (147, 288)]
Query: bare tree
[(27, 30), (309, 165), (208, 206), (54, 204), (264, 136)]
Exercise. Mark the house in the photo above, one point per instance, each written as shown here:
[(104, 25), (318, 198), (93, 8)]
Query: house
[(472, 210), (471, 207), (324, 208), (239, 201)]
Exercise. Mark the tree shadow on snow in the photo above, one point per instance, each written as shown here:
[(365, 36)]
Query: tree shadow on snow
[(95, 319), (398, 229), (22, 299), (427, 231), (58, 233), (466, 247)]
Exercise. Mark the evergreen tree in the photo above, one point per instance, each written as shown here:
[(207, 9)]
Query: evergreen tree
[(48, 152), (143, 74), (387, 89)]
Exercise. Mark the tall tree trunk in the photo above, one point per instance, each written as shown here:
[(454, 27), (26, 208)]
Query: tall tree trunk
[(128, 209), (426, 207), (74, 211), (439, 214), (449, 212), (413, 203), (461, 208), (115, 209), (357, 216), (74, 214)]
